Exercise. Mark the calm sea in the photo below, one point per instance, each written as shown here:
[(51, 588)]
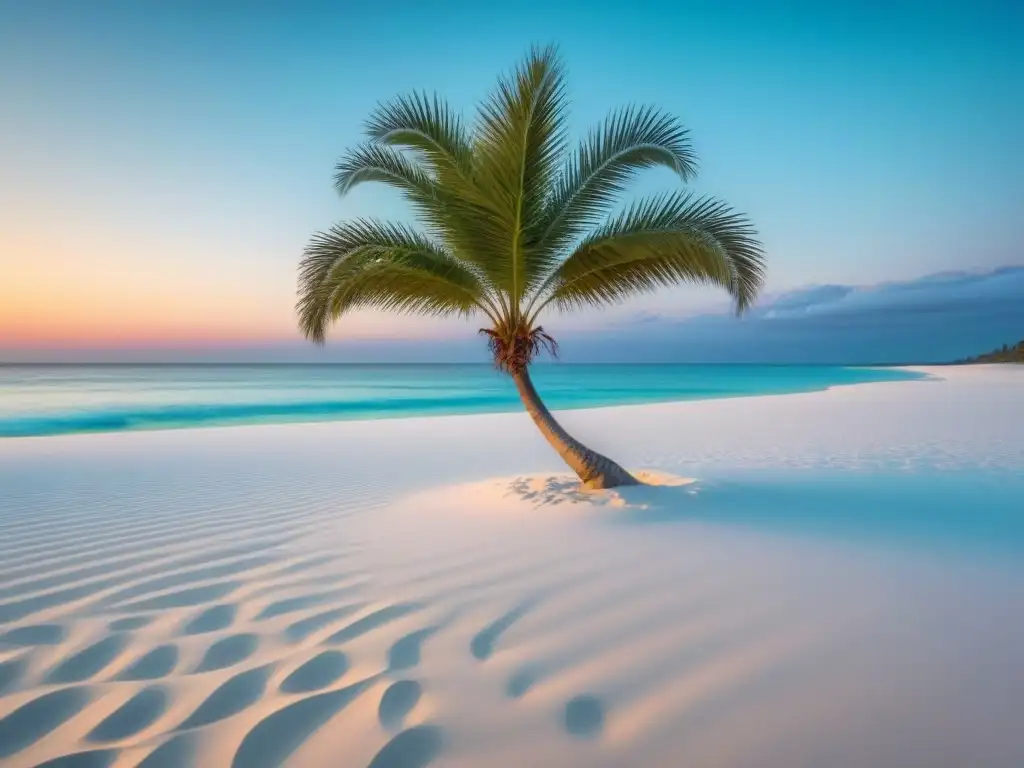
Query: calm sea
[(62, 399)]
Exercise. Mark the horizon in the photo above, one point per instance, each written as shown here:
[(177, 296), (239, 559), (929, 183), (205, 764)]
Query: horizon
[(398, 363), (162, 177), (926, 325)]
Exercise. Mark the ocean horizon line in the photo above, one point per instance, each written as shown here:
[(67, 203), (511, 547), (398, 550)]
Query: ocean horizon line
[(454, 364)]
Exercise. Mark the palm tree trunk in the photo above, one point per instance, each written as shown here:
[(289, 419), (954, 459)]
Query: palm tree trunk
[(594, 470)]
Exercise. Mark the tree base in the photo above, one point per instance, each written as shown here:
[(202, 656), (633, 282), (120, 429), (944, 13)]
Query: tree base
[(595, 471), (610, 477)]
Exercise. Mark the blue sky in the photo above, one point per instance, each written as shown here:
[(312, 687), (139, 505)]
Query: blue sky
[(165, 162)]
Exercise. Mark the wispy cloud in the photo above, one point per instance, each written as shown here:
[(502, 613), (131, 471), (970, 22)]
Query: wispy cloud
[(934, 318), (939, 292)]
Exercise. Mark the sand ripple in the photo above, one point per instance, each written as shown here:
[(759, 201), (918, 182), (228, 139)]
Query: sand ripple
[(278, 596)]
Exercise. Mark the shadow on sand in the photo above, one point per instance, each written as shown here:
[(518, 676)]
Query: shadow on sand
[(272, 740), (413, 748), (961, 510), (38, 718)]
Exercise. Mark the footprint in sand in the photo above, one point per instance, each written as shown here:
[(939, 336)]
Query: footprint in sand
[(159, 662), (37, 634), (397, 702), (236, 694), (227, 652), (584, 716), (97, 758), (211, 620), (40, 717), (414, 748), (140, 711), (88, 661), (319, 672)]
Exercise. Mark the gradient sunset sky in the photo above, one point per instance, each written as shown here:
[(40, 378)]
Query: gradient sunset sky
[(164, 162)]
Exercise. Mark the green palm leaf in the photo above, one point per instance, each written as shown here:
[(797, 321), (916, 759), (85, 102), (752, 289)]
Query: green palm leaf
[(659, 242), (439, 205), (518, 146), (371, 162), (630, 140), (429, 132), (386, 266), (428, 127)]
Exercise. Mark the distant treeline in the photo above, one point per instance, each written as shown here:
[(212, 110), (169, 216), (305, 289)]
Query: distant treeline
[(1010, 353)]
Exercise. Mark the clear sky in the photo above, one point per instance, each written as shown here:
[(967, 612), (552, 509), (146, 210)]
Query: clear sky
[(164, 162)]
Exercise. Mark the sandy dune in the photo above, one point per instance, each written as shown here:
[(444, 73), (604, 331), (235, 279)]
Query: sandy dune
[(827, 579)]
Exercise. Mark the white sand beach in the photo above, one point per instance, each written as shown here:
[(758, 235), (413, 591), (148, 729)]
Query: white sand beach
[(435, 591)]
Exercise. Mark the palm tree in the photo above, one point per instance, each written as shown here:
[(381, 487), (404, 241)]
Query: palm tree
[(514, 223)]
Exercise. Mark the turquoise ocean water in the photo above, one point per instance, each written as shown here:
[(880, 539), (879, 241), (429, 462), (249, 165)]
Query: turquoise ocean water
[(63, 399)]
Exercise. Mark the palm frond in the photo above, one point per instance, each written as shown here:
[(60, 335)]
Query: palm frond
[(371, 162), (631, 139), (428, 127), (512, 223), (519, 143), (662, 241), (418, 143), (387, 266), (441, 209)]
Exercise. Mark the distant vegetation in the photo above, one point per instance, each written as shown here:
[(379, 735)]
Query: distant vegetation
[(1008, 354)]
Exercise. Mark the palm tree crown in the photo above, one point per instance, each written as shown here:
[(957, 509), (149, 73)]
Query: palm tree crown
[(514, 222)]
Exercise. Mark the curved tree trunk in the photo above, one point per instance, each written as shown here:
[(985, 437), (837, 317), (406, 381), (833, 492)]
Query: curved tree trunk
[(595, 470)]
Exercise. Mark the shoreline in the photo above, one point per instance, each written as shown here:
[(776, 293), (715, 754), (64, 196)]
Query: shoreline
[(505, 408)]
